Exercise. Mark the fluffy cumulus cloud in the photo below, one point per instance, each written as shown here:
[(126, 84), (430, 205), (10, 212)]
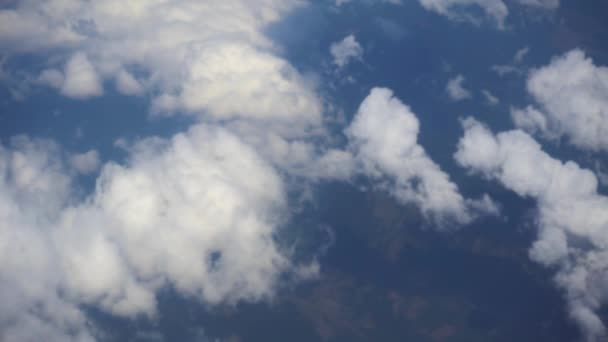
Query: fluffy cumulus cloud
[(208, 229), (495, 10), (346, 50), (197, 212), (571, 94), (456, 90), (383, 138), (572, 216), (188, 54)]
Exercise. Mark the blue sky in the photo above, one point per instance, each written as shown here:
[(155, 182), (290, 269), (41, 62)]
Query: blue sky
[(162, 152)]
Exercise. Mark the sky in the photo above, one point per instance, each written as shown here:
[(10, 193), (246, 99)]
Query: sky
[(431, 170)]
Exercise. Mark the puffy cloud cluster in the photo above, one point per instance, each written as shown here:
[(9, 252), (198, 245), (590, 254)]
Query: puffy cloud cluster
[(197, 212), (496, 10), (383, 138), (572, 97), (192, 56), (572, 216)]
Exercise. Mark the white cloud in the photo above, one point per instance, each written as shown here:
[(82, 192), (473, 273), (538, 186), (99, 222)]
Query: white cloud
[(345, 51), (521, 54), (198, 211), (85, 163), (455, 89), (490, 98), (571, 214), (81, 79), (265, 88), (383, 139), (572, 97)]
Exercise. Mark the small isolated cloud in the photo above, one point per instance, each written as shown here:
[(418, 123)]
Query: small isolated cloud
[(383, 138), (345, 51), (515, 67), (571, 94), (571, 215), (81, 79), (491, 99), (456, 90), (521, 54), (85, 163)]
